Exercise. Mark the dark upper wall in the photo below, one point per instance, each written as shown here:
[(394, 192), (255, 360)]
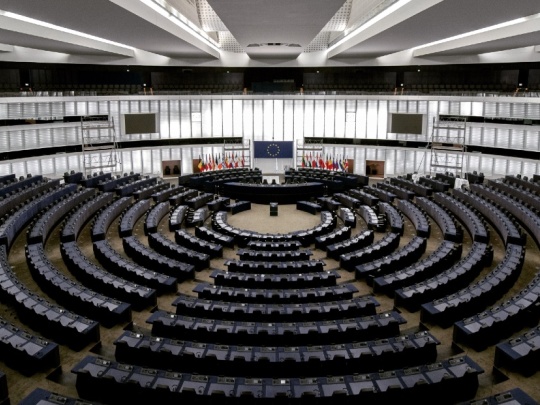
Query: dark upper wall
[(267, 78)]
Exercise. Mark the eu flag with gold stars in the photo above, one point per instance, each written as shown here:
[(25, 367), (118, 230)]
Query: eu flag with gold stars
[(273, 149)]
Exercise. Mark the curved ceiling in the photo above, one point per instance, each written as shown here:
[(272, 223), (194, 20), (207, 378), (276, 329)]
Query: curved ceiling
[(278, 33)]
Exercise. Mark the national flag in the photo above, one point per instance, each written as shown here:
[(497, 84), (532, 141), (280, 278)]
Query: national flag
[(226, 160), (341, 164), (243, 162), (219, 162), (201, 164), (345, 164), (335, 164), (236, 160), (328, 162), (314, 161), (303, 159), (321, 161)]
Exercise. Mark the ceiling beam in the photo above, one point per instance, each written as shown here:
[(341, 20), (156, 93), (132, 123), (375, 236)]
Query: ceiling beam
[(157, 15), (393, 15), (6, 48), (29, 26), (520, 26)]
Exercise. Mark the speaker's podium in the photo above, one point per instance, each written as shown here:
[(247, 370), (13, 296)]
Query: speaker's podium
[(273, 209)]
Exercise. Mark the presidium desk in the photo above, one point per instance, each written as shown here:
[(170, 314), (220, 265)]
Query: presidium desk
[(267, 193)]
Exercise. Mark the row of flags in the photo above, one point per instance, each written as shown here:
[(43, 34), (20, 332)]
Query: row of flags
[(317, 160), (218, 162)]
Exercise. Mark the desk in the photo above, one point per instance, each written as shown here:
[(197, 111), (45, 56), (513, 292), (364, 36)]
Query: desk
[(266, 193)]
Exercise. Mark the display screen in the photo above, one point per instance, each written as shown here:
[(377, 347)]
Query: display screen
[(407, 124), (140, 123)]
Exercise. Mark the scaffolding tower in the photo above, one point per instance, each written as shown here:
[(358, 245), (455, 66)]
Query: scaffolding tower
[(447, 145), (99, 144)]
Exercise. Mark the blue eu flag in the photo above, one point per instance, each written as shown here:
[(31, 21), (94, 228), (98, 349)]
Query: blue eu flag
[(273, 149)]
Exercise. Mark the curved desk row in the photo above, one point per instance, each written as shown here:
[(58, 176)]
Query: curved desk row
[(266, 193)]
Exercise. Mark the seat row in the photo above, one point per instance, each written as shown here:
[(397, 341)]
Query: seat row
[(347, 216), (25, 352), (182, 196), (450, 229), (359, 241), (409, 184), (396, 260), (197, 217), (527, 197), (13, 225), (285, 361), (383, 247), (238, 207), (219, 203), (92, 180), (298, 266), (521, 353), (290, 280), (111, 382), (498, 322), (154, 216), (273, 255), (167, 247), (475, 297), (400, 192), (199, 201), (474, 224), (308, 206), (117, 264), (382, 325), (306, 237), (129, 188), (131, 216), (212, 236), (294, 312), (506, 228), (441, 259), (347, 200), (364, 198), (13, 186), (527, 184), (371, 218), (337, 235), (112, 183), (527, 217), (50, 319), (72, 295), (447, 282), (177, 217), (150, 191), (382, 194), (193, 242), (275, 296), (436, 184), (328, 203), (165, 193), (98, 279), (416, 216), (75, 222), (105, 218), (42, 227), (16, 197), (393, 217), (274, 245), (149, 258)]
